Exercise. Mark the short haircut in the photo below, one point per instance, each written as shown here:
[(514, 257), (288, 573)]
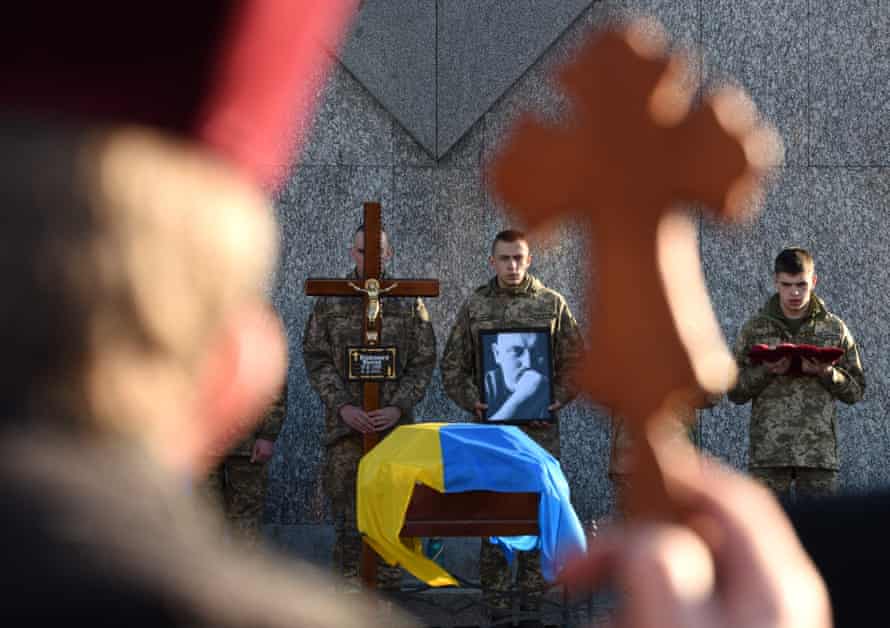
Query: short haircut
[(361, 229), (508, 235), (794, 260)]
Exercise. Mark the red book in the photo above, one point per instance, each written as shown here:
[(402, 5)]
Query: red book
[(765, 353)]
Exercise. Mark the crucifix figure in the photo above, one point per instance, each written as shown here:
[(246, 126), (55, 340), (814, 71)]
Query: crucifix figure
[(348, 350), (634, 150)]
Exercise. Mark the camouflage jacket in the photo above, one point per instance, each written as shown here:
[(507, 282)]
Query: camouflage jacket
[(336, 324), (268, 428), (492, 307), (793, 421)]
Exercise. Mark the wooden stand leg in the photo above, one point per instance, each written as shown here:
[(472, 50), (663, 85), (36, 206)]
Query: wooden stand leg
[(368, 567)]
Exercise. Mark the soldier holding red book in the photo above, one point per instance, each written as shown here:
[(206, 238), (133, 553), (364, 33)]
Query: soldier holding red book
[(793, 424)]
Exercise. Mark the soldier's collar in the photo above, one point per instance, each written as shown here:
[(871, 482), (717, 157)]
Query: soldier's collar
[(773, 309), (529, 284)]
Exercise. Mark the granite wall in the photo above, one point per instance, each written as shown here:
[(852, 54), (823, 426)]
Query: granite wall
[(421, 96)]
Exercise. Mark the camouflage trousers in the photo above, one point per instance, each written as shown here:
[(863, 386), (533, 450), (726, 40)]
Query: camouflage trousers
[(238, 488), (340, 472), (495, 576), (806, 482)]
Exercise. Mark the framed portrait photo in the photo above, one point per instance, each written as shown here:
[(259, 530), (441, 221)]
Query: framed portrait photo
[(517, 374)]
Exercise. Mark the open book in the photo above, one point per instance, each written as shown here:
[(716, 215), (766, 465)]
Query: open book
[(765, 353)]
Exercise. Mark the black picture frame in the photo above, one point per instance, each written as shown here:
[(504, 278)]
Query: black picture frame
[(521, 349)]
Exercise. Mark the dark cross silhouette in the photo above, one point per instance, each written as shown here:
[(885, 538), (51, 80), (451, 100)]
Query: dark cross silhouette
[(631, 151), (372, 288)]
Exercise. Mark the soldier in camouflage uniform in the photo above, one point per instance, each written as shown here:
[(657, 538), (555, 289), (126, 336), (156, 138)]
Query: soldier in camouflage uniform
[(793, 422), (334, 325), (238, 484), (512, 299)]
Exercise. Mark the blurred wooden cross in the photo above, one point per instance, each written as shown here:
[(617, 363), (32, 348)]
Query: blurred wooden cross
[(632, 150)]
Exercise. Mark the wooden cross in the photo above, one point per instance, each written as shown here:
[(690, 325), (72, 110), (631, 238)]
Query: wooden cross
[(373, 287), (631, 152)]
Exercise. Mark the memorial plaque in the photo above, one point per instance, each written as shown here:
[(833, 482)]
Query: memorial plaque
[(371, 364)]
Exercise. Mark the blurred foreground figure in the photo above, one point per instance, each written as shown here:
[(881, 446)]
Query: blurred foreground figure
[(138, 347)]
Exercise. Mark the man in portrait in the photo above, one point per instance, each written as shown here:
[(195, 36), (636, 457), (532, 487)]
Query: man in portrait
[(518, 385)]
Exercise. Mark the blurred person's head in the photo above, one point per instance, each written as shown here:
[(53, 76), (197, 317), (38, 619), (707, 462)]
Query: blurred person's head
[(135, 268)]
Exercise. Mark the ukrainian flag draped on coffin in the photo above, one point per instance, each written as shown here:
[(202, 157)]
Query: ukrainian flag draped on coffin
[(453, 458)]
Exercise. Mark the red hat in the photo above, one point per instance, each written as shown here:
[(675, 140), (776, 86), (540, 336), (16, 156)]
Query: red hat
[(237, 76)]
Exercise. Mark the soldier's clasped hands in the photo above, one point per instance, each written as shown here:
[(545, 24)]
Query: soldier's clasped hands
[(384, 418), (373, 421), (262, 451), (356, 418)]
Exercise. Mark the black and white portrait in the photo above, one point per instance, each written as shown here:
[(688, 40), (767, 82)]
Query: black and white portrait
[(517, 374)]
